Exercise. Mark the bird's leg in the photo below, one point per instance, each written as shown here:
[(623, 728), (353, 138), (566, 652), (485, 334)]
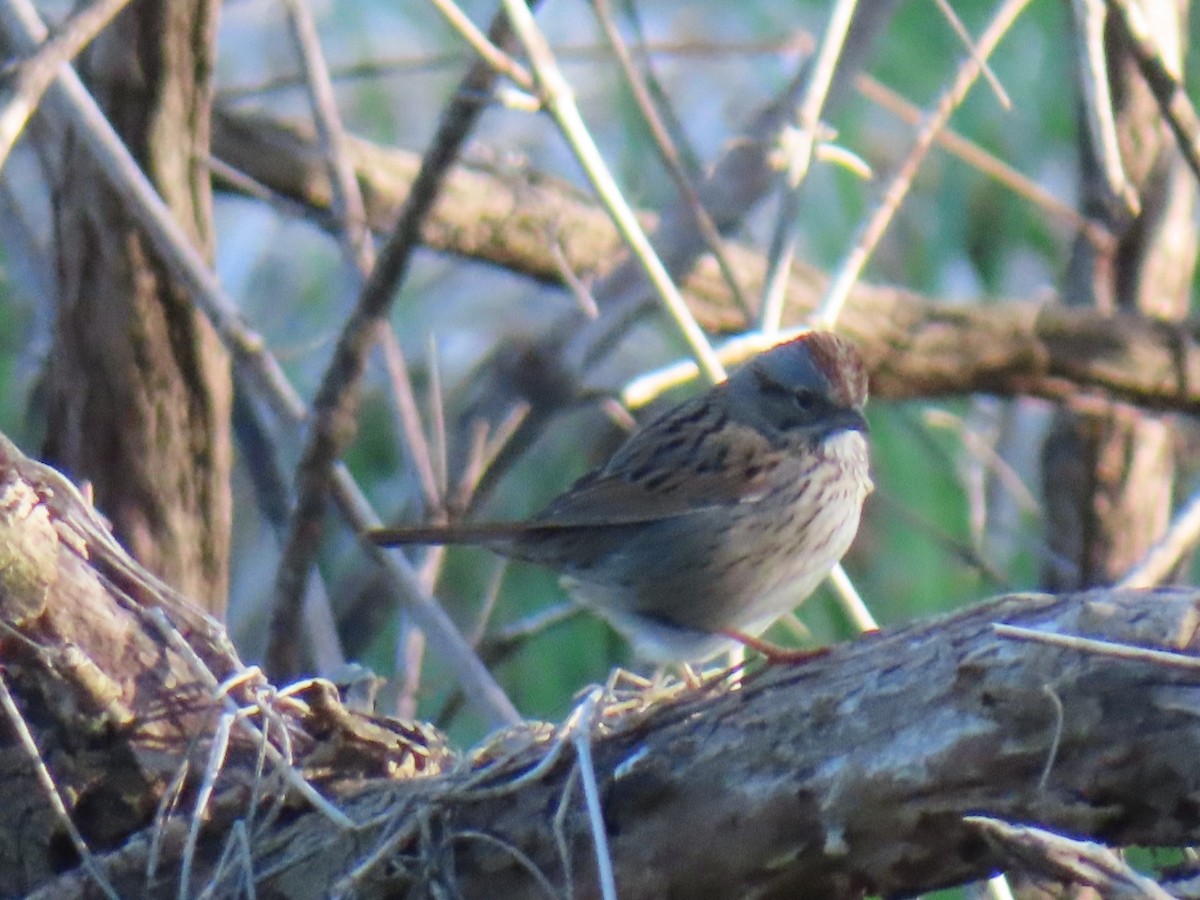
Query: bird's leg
[(773, 652)]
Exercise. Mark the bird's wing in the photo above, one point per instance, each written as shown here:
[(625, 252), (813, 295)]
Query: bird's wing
[(733, 467), (697, 459)]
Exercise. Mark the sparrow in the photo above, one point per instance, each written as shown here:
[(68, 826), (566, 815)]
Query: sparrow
[(715, 518)]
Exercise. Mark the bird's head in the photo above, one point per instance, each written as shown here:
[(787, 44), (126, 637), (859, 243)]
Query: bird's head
[(815, 384)]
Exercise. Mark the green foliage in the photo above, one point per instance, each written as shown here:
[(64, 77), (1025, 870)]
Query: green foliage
[(17, 368)]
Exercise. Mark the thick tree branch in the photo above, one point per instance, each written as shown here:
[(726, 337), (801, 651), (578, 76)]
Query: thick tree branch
[(131, 693), (852, 774), (916, 346), (844, 775)]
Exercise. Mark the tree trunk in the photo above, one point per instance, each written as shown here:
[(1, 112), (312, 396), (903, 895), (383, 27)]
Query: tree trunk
[(1109, 471), (139, 385)]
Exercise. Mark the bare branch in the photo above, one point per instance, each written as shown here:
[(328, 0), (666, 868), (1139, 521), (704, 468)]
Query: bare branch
[(335, 407), (1046, 854), (68, 100), (852, 265), (1163, 80), (916, 346), (34, 75)]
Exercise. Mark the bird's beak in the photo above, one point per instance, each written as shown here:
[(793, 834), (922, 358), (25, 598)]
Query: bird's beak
[(850, 420)]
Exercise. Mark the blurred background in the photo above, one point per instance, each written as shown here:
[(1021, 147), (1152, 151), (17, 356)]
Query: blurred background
[(958, 511)]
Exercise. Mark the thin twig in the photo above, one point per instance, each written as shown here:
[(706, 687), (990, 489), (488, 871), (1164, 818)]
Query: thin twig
[(559, 828), (384, 67), (987, 455), (1047, 854), (410, 420), (384, 850), (506, 641), (960, 31), (347, 198), (580, 725), (1101, 648), (470, 793), (242, 183), (485, 46), (848, 272), (1163, 80), (668, 152), (1052, 755), (212, 770), (1101, 125), (35, 74), (510, 849), (642, 47), (484, 468), (235, 852), (439, 446), (1165, 554), (167, 804), (579, 288), (851, 601), (987, 163), (491, 594), (409, 653), (964, 551), (560, 103), (800, 139)]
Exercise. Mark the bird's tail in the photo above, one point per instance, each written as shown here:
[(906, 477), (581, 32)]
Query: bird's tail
[(488, 534)]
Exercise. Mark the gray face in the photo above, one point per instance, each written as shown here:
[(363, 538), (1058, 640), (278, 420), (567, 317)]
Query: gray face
[(804, 390), (818, 361)]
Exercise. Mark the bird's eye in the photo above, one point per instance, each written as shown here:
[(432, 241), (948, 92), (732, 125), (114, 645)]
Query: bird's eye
[(805, 401)]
